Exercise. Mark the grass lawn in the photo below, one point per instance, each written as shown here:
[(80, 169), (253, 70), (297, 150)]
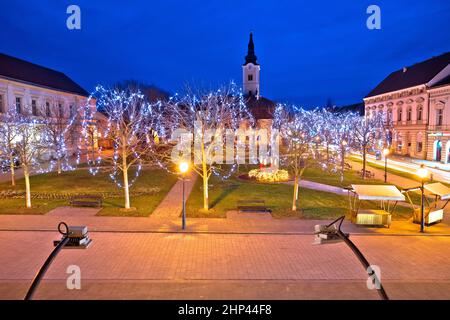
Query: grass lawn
[(223, 196), (80, 181), (334, 179)]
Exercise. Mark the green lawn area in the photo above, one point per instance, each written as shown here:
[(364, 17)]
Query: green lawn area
[(223, 196), (80, 181), (334, 179)]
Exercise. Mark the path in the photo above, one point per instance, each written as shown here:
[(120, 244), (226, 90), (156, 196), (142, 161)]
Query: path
[(320, 187), (391, 178), (225, 266), (172, 204), (408, 166)]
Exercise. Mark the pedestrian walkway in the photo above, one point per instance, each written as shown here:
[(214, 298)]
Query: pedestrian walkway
[(391, 178), (172, 204), (320, 187)]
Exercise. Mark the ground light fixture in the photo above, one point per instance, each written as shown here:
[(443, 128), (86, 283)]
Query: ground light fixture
[(422, 173), (385, 153), (73, 237), (183, 167), (332, 233)]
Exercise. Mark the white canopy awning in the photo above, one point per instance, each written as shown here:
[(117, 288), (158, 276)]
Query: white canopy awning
[(377, 192), (439, 189)]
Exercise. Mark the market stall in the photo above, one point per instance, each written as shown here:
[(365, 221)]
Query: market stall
[(386, 195), (434, 210)]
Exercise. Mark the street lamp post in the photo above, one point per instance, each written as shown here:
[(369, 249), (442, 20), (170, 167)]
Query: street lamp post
[(422, 173), (183, 167), (331, 234), (385, 153)]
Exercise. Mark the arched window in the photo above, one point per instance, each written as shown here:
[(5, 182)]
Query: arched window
[(439, 117), (409, 114), (419, 113), (389, 115)]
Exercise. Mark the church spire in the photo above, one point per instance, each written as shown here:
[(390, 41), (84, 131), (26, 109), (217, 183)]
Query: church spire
[(250, 57)]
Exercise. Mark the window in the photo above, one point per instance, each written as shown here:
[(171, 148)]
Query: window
[(419, 147), (389, 115), (250, 77), (72, 111), (33, 107), (400, 111), (18, 104), (48, 112), (440, 116), (409, 115), (2, 105), (419, 113), (60, 110)]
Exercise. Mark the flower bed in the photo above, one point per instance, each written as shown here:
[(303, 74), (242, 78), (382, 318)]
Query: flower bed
[(13, 194)]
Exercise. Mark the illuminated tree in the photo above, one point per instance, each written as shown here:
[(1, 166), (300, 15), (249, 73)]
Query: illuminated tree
[(59, 127), (205, 117), (130, 119), (298, 129), (367, 131), (8, 137), (31, 146)]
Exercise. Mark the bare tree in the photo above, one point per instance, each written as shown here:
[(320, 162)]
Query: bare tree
[(366, 131)]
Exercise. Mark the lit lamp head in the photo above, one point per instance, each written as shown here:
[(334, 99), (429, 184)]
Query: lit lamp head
[(385, 151), (183, 167), (422, 172)]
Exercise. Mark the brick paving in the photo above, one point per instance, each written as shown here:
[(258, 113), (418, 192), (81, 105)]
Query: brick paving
[(235, 223), (73, 212), (123, 265)]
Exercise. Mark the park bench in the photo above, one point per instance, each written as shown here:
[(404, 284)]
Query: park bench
[(369, 174), (86, 201), (252, 205)]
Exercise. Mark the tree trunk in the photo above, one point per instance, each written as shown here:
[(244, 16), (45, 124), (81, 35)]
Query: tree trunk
[(364, 163), (328, 153), (295, 197), (58, 165), (27, 186), (205, 189), (342, 163), (12, 169), (205, 179), (125, 180)]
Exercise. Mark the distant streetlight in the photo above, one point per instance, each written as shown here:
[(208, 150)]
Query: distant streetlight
[(385, 153), (422, 173), (183, 167)]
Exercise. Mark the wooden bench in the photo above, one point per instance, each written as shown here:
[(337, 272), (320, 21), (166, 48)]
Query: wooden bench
[(86, 201), (252, 205), (369, 174)]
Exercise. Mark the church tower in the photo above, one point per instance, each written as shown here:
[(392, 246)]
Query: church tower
[(250, 71)]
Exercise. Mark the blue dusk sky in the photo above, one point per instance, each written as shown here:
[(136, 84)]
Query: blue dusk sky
[(309, 51)]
